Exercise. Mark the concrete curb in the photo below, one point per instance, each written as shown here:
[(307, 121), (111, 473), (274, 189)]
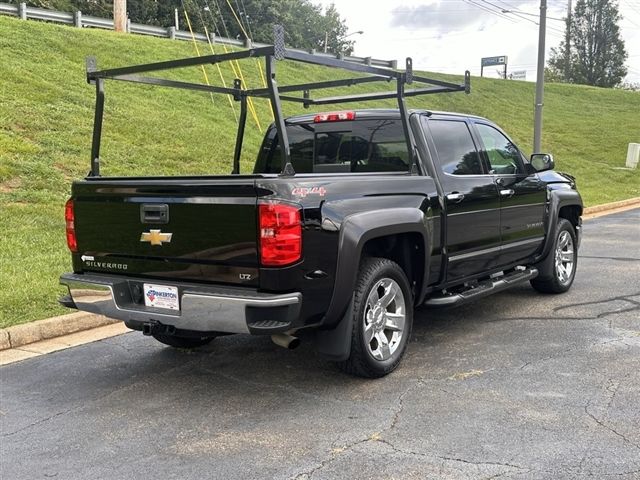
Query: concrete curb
[(612, 206), (20, 335)]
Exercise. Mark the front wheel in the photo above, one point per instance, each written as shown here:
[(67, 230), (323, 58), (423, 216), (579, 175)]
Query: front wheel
[(558, 270), (382, 319)]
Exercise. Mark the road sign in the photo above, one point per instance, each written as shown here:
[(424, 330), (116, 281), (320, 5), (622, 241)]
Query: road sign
[(518, 75), (490, 61), (493, 61)]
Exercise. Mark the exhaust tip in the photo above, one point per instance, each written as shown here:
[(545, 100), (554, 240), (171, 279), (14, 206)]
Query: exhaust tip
[(285, 340)]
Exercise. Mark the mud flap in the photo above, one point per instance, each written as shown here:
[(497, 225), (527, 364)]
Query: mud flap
[(335, 344)]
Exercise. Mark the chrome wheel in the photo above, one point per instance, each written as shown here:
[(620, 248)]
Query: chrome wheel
[(384, 319), (565, 257)]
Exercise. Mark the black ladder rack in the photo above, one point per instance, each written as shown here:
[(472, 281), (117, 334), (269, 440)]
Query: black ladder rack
[(273, 91)]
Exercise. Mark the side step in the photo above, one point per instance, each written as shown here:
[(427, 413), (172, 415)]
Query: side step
[(483, 289)]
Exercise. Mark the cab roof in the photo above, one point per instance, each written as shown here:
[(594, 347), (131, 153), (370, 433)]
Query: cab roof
[(378, 113)]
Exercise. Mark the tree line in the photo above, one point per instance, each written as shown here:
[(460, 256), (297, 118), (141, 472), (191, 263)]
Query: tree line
[(307, 26)]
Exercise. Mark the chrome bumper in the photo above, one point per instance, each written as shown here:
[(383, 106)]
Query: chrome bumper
[(202, 309)]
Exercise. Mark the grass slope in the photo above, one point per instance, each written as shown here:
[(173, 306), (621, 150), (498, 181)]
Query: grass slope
[(46, 113)]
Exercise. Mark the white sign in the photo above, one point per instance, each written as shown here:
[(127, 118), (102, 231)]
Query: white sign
[(518, 75)]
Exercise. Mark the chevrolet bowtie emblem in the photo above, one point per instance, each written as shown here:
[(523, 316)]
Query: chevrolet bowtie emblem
[(156, 237)]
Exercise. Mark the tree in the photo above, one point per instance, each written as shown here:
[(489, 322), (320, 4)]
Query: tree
[(597, 52), (306, 25)]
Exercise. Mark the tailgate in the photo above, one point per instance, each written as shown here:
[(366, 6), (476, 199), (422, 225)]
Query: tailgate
[(197, 230)]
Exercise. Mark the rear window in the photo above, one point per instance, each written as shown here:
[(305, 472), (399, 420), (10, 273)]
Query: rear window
[(352, 146)]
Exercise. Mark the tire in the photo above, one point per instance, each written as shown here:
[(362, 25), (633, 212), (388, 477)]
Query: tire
[(558, 270), (182, 342), (379, 341)]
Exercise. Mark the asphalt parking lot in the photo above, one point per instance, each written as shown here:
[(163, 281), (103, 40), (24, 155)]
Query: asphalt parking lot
[(518, 385)]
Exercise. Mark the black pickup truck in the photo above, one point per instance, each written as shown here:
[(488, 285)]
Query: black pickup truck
[(349, 220)]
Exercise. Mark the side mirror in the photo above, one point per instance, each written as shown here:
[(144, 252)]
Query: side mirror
[(542, 162)]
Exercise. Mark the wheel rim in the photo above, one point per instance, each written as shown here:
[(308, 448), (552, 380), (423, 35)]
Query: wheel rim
[(565, 260), (384, 319)]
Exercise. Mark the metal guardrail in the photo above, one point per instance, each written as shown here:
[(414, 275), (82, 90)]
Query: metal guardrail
[(79, 20)]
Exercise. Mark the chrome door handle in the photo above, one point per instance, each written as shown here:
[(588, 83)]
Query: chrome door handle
[(507, 192), (455, 197)]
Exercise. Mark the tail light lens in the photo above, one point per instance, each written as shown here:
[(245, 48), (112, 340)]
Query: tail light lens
[(69, 218), (280, 234)]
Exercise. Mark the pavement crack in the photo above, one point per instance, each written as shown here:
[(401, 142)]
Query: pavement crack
[(333, 454), (39, 422), (597, 302), (374, 437), (624, 310), (470, 462), (619, 259), (608, 427), (454, 459), (400, 404), (569, 350)]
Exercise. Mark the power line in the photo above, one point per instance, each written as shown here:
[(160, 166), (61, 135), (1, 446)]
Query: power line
[(627, 3), (513, 13), (486, 9)]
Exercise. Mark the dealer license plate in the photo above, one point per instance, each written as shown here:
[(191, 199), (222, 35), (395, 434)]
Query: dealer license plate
[(161, 296)]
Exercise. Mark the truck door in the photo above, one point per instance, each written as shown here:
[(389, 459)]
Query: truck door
[(471, 198), (522, 196)]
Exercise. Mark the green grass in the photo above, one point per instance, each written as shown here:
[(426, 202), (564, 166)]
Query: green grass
[(46, 115)]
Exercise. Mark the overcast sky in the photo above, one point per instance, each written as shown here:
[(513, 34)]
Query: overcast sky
[(453, 35)]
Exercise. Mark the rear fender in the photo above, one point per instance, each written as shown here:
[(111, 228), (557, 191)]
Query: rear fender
[(335, 341)]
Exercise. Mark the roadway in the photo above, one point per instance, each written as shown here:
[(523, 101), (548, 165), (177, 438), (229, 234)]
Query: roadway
[(519, 385)]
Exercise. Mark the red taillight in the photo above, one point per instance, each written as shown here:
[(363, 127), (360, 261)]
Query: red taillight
[(280, 234), (334, 117), (69, 218)]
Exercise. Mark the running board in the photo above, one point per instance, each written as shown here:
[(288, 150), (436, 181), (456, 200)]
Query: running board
[(483, 289)]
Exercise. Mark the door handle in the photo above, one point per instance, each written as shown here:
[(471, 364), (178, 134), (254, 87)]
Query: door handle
[(507, 192), (154, 213), (455, 197)]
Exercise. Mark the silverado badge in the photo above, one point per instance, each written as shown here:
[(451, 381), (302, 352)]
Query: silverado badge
[(156, 237)]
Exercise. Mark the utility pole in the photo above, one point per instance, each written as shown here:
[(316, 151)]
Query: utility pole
[(567, 45), (537, 122), (120, 15)]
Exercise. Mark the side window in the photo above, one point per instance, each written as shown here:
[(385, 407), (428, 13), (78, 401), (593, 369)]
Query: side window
[(504, 157), (456, 151)]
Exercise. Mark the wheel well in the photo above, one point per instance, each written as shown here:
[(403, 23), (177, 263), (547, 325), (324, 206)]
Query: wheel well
[(406, 249), (571, 213)]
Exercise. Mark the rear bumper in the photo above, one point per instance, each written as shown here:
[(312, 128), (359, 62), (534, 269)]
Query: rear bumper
[(202, 308)]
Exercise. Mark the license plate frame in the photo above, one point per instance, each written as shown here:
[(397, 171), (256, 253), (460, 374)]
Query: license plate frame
[(165, 297)]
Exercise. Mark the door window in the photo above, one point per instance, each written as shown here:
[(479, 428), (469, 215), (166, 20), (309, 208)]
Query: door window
[(457, 153), (504, 157)]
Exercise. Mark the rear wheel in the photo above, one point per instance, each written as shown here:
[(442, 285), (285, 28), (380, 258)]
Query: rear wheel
[(182, 342), (382, 319), (558, 270)]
